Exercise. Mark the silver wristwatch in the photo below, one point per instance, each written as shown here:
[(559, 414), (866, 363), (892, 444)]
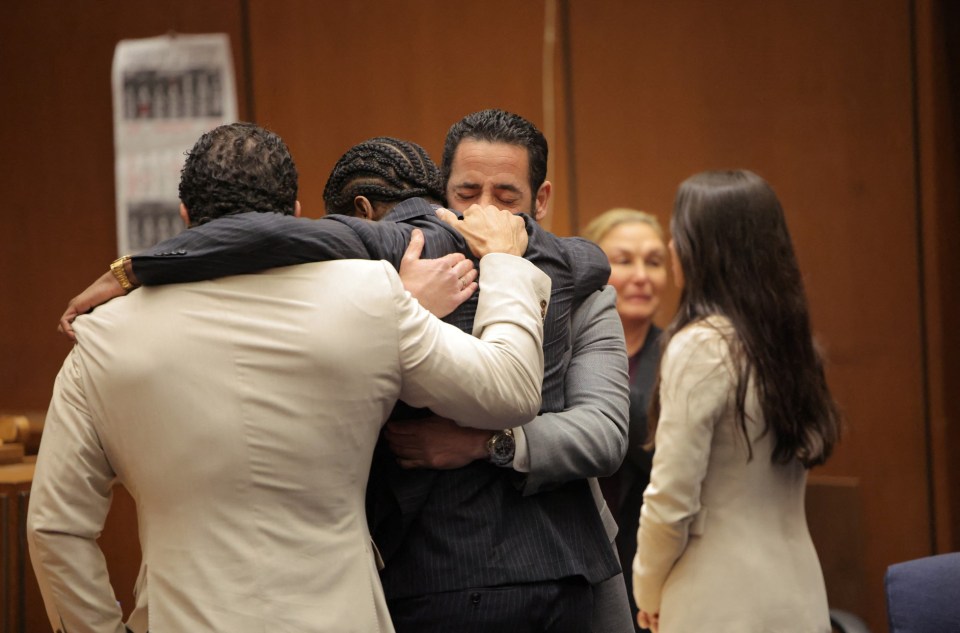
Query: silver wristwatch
[(501, 448)]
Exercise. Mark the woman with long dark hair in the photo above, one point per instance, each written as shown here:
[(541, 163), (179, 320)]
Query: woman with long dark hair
[(741, 412)]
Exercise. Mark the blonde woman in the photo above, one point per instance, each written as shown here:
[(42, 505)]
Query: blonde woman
[(633, 242)]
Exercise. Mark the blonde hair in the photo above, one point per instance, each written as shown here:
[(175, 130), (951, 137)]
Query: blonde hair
[(609, 220)]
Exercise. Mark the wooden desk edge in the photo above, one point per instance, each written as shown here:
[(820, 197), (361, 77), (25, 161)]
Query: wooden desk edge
[(18, 473)]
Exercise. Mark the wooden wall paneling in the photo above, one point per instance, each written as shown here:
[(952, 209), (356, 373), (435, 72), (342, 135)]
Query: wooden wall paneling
[(327, 75), (835, 517), (58, 224), (938, 102), (14, 495), (815, 97), (563, 216)]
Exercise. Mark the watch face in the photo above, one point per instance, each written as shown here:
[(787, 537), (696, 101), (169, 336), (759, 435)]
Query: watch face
[(502, 449)]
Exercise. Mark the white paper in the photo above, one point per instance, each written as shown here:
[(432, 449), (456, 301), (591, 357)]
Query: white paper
[(167, 91)]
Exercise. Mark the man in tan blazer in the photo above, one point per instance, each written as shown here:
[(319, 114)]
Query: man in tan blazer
[(241, 414)]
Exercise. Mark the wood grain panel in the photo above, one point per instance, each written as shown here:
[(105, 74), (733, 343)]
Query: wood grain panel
[(327, 75), (58, 223), (938, 95), (835, 517), (57, 228)]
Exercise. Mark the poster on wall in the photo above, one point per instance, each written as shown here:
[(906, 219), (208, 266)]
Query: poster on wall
[(167, 91)]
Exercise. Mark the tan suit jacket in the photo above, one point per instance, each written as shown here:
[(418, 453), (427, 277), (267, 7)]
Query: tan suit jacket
[(241, 414), (723, 544)]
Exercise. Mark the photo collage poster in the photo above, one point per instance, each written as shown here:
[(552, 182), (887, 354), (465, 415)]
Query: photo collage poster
[(167, 91)]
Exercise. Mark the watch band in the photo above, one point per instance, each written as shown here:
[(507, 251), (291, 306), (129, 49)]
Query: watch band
[(120, 274)]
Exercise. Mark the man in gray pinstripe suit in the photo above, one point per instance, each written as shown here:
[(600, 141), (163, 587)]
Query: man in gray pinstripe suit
[(433, 583)]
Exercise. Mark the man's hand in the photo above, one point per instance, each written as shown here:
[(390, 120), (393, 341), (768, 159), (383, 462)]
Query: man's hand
[(647, 621), (489, 230), (440, 285), (435, 442), (102, 290)]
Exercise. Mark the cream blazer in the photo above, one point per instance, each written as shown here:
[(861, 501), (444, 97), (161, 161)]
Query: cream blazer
[(723, 544), (241, 414)]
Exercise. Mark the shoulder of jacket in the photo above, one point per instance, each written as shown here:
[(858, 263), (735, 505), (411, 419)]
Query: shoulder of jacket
[(710, 335)]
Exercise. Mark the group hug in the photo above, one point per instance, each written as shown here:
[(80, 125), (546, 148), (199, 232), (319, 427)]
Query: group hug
[(423, 412)]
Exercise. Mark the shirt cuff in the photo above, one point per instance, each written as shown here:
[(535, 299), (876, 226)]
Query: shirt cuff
[(521, 456)]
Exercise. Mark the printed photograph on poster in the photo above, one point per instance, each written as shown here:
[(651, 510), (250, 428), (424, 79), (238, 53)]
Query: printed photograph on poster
[(167, 91)]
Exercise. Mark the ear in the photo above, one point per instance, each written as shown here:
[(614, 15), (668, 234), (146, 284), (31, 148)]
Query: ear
[(543, 197), (363, 208), (184, 215), (296, 209)]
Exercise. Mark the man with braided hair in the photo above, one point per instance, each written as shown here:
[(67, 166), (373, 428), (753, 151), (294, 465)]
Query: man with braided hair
[(368, 181), (375, 175), (489, 537)]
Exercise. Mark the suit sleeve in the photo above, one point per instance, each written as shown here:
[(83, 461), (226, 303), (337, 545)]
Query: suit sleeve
[(588, 438), (491, 382), (69, 501), (251, 242), (589, 265), (696, 387)]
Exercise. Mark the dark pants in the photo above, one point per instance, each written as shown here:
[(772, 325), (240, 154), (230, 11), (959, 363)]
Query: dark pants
[(562, 606)]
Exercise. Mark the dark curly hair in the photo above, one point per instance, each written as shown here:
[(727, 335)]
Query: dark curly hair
[(237, 168), (384, 169), (499, 126)]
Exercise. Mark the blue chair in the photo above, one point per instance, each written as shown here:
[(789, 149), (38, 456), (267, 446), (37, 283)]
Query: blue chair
[(923, 595)]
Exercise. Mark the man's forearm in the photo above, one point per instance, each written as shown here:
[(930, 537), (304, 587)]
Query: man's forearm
[(246, 243), (69, 502), (505, 367), (588, 438), (130, 273)]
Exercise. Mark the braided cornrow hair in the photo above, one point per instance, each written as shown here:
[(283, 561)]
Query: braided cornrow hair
[(384, 169)]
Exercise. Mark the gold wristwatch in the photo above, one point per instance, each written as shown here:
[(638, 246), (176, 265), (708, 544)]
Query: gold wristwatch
[(120, 273)]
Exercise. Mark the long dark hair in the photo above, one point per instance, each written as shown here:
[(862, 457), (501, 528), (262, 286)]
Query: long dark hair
[(731, 239)]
